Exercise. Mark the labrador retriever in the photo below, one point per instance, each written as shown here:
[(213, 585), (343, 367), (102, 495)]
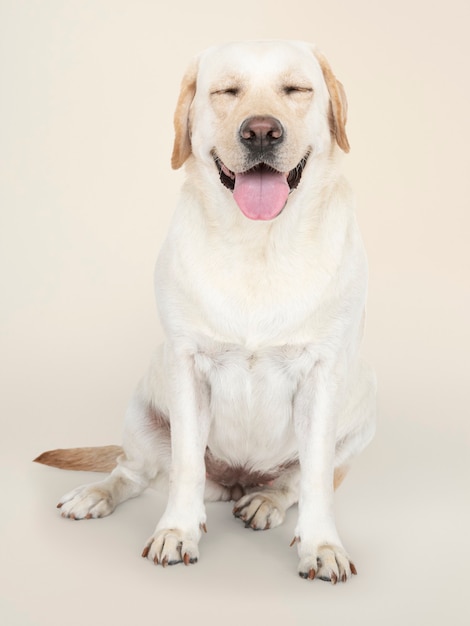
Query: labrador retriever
[(258, 393)]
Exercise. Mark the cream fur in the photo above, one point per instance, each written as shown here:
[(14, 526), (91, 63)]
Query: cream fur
[(263, 322)]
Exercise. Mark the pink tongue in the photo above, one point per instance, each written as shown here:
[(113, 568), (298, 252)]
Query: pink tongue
[(261, 194)]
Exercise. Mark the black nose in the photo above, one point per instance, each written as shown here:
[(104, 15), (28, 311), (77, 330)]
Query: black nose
[(261, 131)]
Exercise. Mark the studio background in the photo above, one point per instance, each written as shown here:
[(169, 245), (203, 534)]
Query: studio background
[(87, 96)]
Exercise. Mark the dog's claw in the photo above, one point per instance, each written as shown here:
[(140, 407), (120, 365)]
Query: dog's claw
[(353, 568), (294, 541), (310, 575), (145, 551), (188, 560), (334, 579), (164, 562), (203, 527)]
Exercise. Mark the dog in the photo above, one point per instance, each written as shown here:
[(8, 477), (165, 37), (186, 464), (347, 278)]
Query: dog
[(258, 393)]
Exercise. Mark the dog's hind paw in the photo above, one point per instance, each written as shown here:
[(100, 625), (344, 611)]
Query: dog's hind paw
[(87, 502), (171, 546), (259, 510)]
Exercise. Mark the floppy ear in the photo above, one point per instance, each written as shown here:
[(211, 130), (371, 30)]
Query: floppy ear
[(338, 103), (182, 144)]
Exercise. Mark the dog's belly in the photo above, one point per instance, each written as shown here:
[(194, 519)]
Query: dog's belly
[(252, 436)]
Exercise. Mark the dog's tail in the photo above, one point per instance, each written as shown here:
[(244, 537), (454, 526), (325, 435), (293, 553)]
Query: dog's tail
[(99, 459)]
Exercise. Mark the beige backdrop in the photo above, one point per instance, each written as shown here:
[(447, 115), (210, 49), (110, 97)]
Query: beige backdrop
[(87, 92)]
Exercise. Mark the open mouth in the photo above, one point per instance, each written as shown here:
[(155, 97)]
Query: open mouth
[(261, 192)]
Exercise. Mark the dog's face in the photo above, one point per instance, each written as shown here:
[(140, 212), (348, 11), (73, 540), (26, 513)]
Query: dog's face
[(256, 112)]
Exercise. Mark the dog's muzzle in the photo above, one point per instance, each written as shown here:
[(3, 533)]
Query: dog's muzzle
[(261, 191)]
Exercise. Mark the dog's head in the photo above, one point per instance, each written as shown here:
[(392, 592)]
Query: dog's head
[(256, 112)]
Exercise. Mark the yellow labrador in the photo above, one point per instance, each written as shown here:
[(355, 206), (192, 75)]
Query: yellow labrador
[(258, 393)]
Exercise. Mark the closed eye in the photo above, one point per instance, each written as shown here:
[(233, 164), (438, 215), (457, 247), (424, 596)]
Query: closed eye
[(228, 91), (293, 89)]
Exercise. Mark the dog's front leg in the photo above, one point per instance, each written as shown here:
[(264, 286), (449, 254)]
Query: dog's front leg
[(315, 413), (178, 532)]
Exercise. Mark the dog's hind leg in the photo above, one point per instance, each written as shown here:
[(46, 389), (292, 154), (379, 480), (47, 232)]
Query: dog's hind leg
[(146, 454), (265, 507)]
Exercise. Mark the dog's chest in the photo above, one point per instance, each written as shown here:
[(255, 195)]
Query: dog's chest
[(251, 397), (269, 289)]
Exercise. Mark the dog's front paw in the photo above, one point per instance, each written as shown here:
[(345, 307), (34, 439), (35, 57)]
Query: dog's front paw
[(327, 562), (87, 502), (170, 546), (259, 510)]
